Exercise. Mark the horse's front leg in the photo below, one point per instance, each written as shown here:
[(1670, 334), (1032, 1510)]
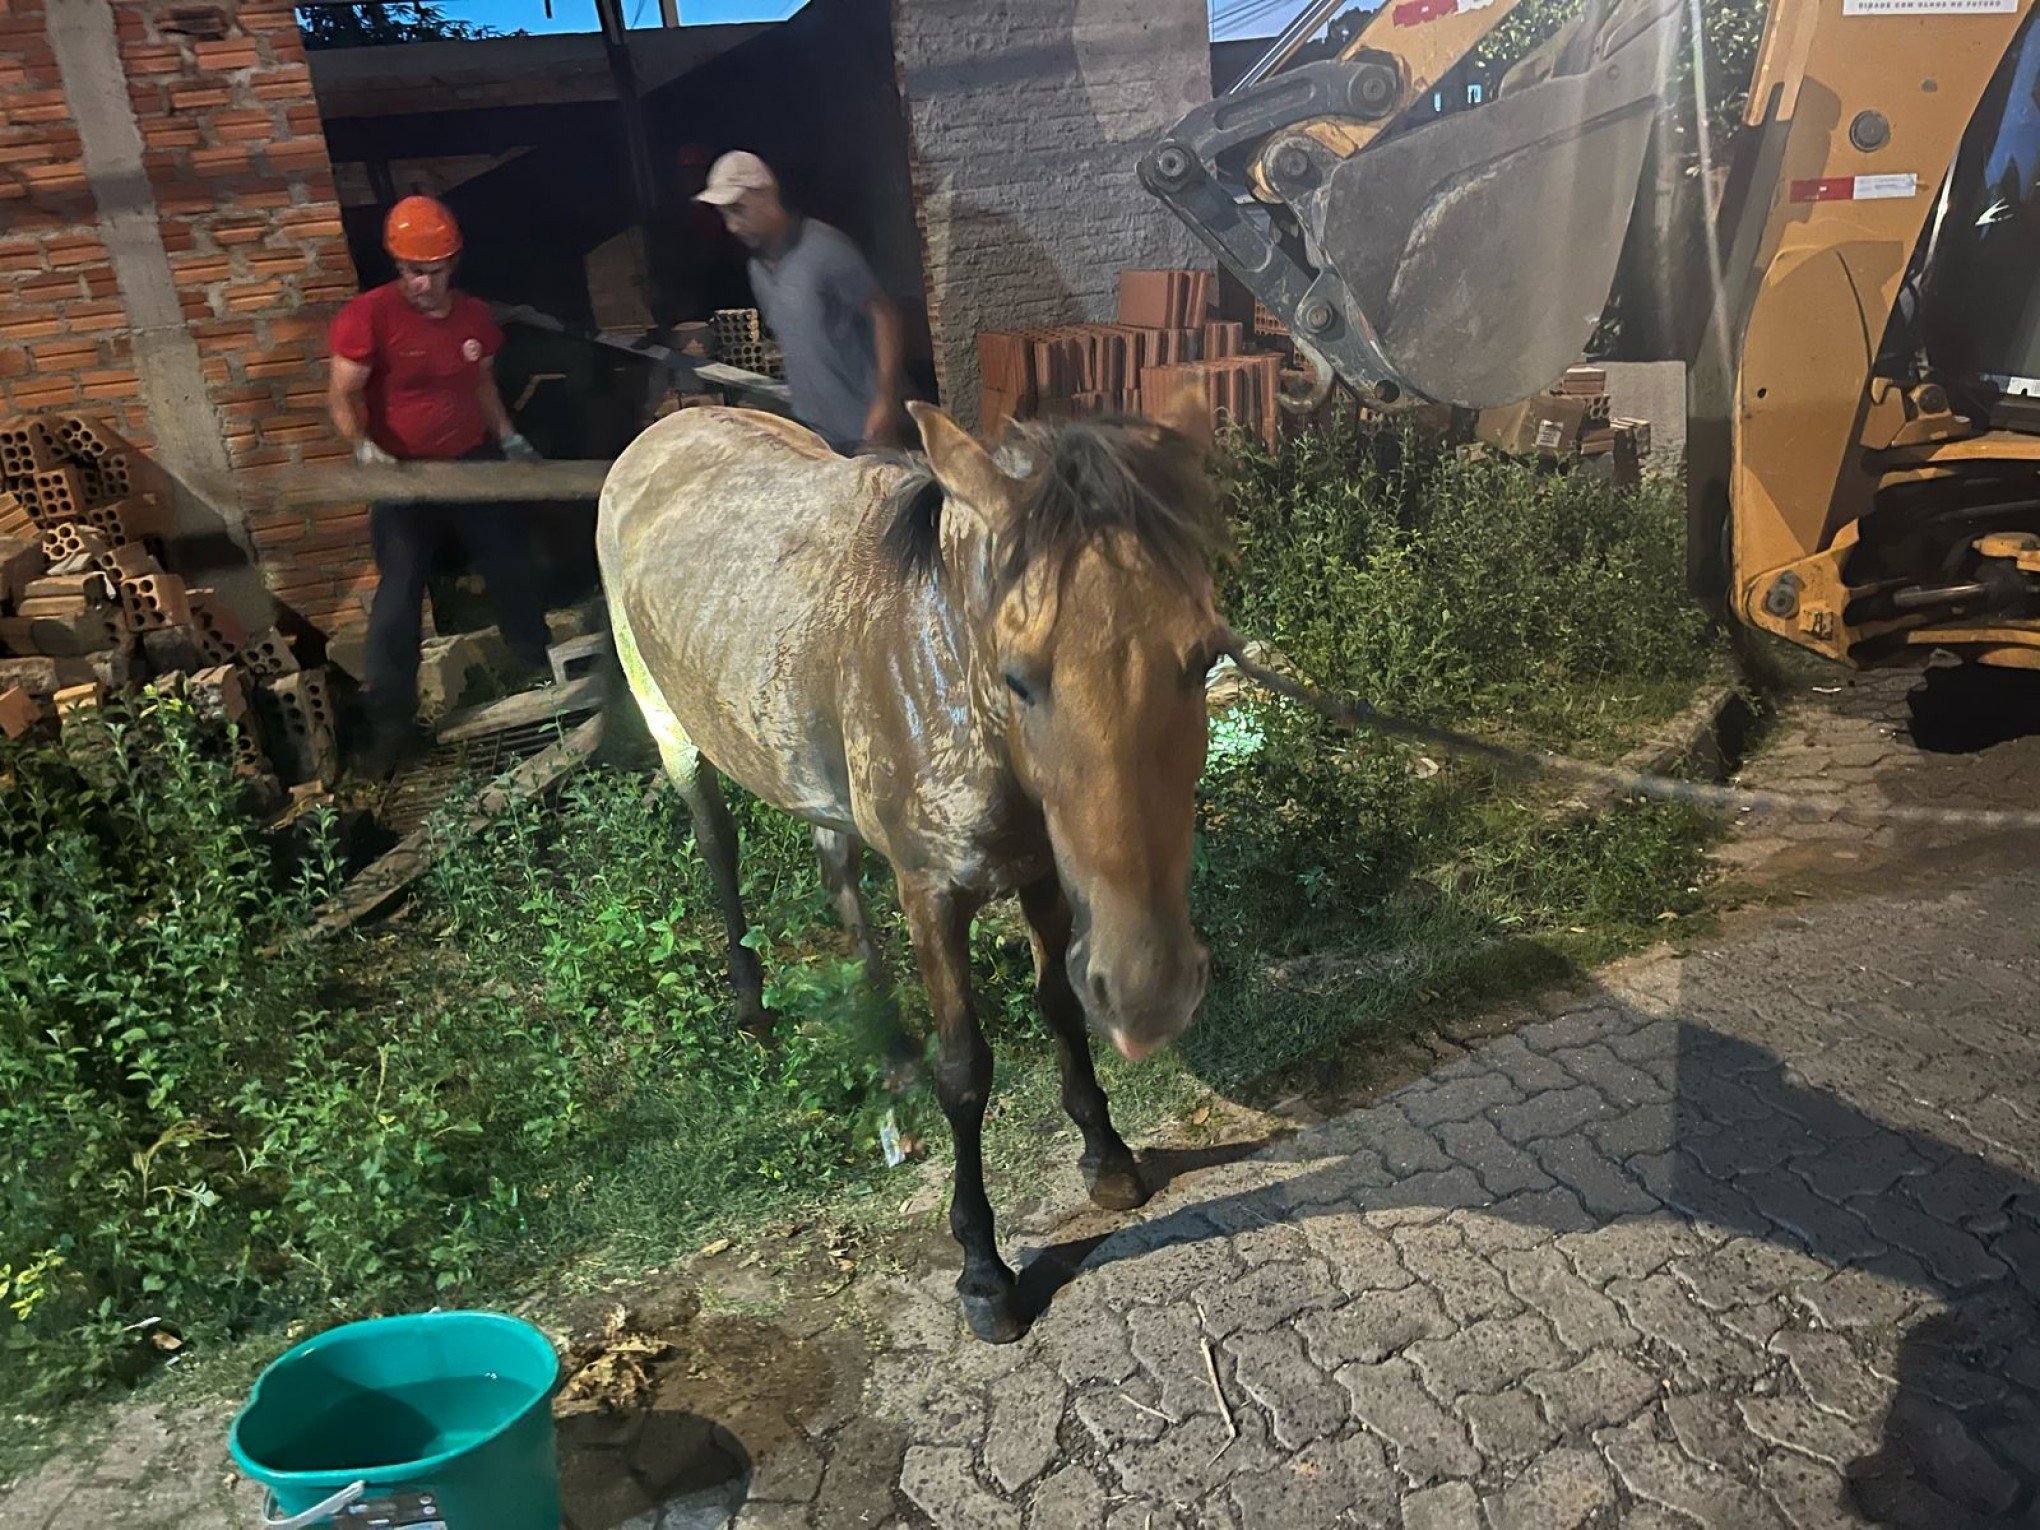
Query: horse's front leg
[(939, 919), (1109, 1170)]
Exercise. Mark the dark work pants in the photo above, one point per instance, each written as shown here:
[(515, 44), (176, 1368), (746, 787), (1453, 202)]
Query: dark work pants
[(409, 540)]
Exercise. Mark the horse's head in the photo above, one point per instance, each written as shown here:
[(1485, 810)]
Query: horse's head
[(1089, 579)]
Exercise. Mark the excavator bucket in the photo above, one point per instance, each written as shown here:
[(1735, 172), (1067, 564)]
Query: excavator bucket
[(1466, 260), (1483, 245)]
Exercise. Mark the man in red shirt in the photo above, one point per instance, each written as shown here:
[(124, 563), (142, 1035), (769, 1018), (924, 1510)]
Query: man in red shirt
[(414, 380)]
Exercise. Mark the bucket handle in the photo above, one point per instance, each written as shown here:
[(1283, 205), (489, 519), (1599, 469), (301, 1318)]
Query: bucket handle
[(316, 1512)]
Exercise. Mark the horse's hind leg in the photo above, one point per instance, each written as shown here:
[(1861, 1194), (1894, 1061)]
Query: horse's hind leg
[(716, 833), (841, 856), (1109, 1169)]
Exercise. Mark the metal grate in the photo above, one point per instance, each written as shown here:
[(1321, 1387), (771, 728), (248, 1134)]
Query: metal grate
[(413, 796)]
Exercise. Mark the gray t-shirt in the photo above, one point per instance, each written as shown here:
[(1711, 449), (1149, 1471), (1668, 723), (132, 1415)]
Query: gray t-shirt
[(813, 298)]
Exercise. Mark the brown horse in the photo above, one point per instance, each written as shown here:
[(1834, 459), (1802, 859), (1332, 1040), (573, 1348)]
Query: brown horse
[(994, 678)]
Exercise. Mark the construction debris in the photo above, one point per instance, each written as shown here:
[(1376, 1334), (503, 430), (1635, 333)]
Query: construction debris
[(741, 340), (1574, 419), (88, 610), (1166, 338)]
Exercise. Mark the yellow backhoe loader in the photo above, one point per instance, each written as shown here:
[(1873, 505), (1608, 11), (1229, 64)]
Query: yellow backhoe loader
[(1863, 449)]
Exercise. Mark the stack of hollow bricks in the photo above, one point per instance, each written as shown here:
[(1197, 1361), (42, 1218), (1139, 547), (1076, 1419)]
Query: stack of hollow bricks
[(86, 606), (236, 162), (1165, 339)]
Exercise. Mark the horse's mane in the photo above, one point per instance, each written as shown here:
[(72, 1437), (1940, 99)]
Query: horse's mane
[(1079, 481)]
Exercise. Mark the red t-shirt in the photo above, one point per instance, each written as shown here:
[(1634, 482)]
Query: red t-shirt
[(423, 389)]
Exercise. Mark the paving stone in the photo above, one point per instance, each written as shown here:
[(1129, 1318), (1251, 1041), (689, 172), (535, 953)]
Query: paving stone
[(1964, 1188), (1657, 1041), (1072, 1499), (1524, 1220), (1858, 1299), (1659, 1308), (857, 1482), (1503, 1167), (1657, 1471), (1191, 1460), (1469, 1286), (1870, 1166), (1257, 1241), (1682, 1184), (1427, 1198), (1710, 1429), (791, 1472), (1628, 1248), (1268, 1297), (1714, 1095), (1507, 1427), (939, 1479), (1027, 1409), (1371, 1329), (1362, 1258), (1744, 1271), (1603, 1187), (1833, 1234), (1811, 1496), (1755, 1326), (1118, 1421), (1794, 1423), (1166, 1341), (1449, 1506), (1834, 1376), (1948, 1458), (2020, 1250), (1343, 1481), (1402, 1148), (1428, 1441), (1083, 1337), (1462, 1100), (1301, 1402), (1953, 1255), (1639, 1129), (1529, 1071), (751, 1516), (1581, 1315), (1177, 1271), (944, 1411), (1622, 1084), (1577, 1028), (1559, 1491), (1553, 1113), (1486, 1357), (1603, 1389), (1731, 1152)]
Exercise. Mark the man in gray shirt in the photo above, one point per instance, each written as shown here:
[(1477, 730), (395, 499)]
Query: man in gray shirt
[(838, 331)]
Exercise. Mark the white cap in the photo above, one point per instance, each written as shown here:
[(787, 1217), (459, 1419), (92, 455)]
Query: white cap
[(733, 175)]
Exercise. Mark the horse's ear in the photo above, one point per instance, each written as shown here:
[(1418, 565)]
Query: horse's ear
[(963, 468), (1187, 411)]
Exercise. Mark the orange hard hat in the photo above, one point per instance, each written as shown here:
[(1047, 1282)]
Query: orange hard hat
[(420, 228)]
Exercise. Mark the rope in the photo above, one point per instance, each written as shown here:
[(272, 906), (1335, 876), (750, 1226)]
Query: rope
[(1358, 714)]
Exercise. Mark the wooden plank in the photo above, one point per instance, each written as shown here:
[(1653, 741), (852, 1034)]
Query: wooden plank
[(690, 374), (348, 483), (521, 710), (378, 885)]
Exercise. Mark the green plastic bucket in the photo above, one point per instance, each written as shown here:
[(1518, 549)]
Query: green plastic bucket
[(443, 1419)]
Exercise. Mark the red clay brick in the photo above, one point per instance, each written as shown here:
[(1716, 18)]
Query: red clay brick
[(198, 98)]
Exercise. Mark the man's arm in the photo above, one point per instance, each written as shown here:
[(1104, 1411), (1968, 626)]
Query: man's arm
[(347, 399), (493, 412), (889, 343)]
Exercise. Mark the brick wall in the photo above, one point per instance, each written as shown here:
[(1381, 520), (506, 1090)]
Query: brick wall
[(1028, 119), (235, 161)]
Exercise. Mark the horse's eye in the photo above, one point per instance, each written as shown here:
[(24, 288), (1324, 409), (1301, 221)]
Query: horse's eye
[(1018, 687)]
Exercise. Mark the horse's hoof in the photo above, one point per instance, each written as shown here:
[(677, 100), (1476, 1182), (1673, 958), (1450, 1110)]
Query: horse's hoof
[(756, 1020), (1118, 1189), (992, 1318)]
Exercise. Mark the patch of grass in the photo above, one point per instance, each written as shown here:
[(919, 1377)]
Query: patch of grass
[(533, 1077)]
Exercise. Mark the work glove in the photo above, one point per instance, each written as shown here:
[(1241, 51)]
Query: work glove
[(517, 449), (368, 454)]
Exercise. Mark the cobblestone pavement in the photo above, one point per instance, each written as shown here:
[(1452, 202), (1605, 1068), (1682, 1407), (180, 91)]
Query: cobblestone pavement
[(1745, 1237)]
